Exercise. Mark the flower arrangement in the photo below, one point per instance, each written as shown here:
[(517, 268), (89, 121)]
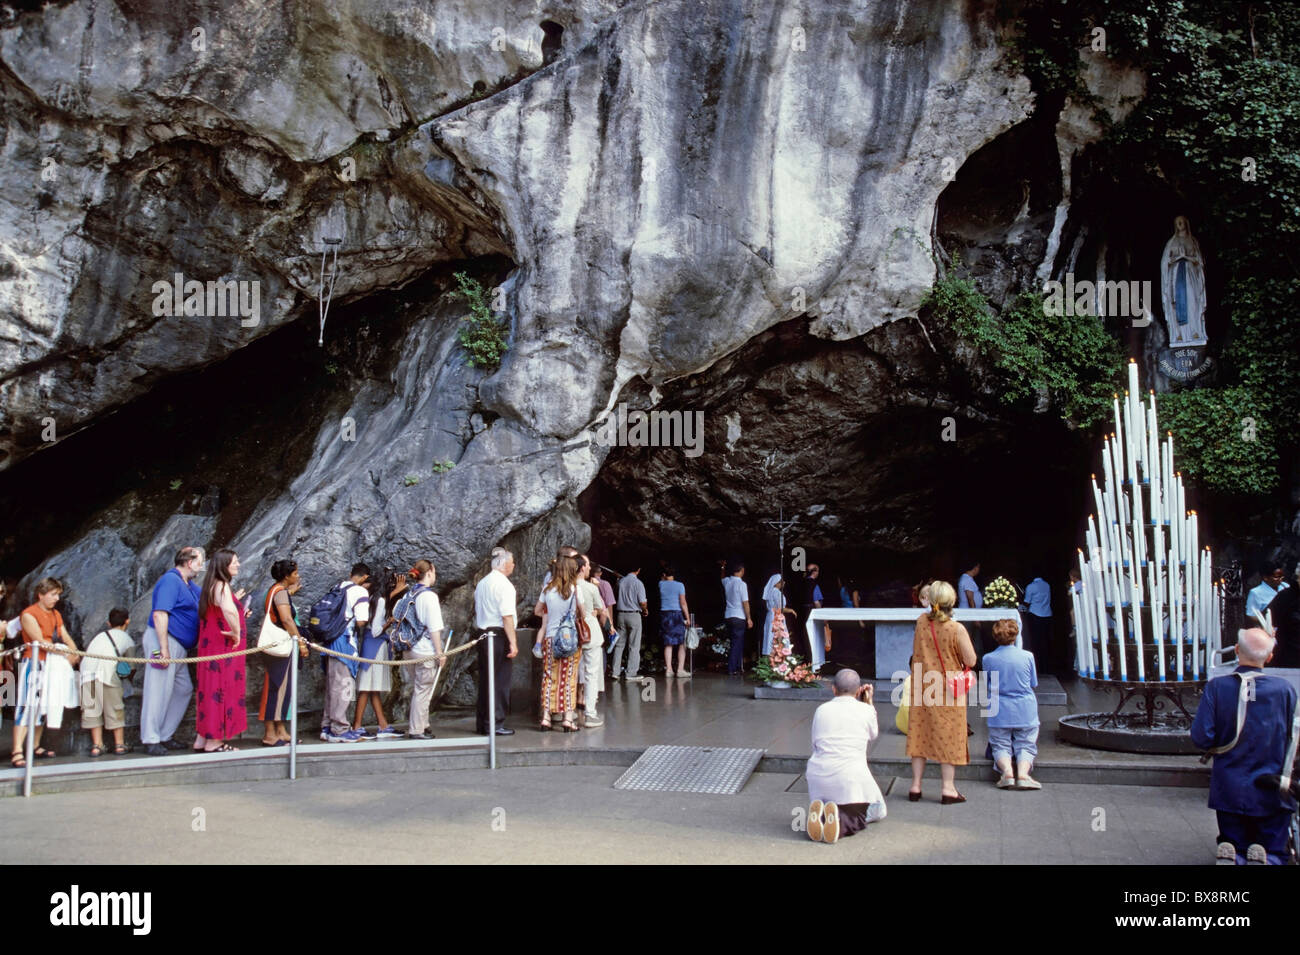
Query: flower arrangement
[(1000, 593), (781, 664)]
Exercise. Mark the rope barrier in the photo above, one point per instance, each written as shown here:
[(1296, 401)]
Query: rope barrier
[(397, 663), (63, 649)]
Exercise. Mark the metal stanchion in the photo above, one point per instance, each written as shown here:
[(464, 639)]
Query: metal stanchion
[(492, 700), (31, 727), (294, 661)]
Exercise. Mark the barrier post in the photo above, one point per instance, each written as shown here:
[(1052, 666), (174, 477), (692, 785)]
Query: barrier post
[(31, 727), (492, 700), (294, 660)]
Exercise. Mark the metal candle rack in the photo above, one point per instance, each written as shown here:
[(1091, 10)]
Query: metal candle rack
[(1149, 612)]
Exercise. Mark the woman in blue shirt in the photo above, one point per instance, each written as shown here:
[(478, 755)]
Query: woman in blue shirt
[(1013, 724), (673, 619)]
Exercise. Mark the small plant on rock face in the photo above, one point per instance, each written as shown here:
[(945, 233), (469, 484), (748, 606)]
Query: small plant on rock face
[(442, 467), (411, 480), (175, 484), (481, 334)]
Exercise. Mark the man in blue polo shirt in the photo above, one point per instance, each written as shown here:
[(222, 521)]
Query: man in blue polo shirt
[(174, 624), (1038, 622)]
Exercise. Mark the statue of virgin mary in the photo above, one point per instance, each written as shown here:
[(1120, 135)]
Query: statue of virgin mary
[(1182, 287)]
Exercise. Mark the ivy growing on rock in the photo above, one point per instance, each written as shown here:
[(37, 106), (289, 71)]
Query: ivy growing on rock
[(482, 334), (1072, 359)]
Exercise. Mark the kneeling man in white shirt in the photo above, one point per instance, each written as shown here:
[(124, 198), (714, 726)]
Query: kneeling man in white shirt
[(844, 795)]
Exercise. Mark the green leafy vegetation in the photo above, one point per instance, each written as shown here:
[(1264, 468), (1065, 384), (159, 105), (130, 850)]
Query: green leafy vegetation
[(481, 334), (411, 480), (1218, 435), (1220, 125), (1074, 359), (442, 467)]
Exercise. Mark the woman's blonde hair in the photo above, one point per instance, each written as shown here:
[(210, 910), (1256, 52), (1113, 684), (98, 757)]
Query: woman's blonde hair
[(942, 598)]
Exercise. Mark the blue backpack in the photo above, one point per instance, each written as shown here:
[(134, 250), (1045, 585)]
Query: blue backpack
[(329, 616), (564, 643), (403, 628)]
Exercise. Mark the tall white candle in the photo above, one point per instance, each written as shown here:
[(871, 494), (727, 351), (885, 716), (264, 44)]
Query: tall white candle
[(1103, 631)]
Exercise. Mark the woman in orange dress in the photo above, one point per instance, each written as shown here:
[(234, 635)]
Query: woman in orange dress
[(937, 721)]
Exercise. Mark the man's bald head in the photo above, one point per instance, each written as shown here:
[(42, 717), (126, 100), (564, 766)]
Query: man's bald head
[(847, 682), (1254, 646)]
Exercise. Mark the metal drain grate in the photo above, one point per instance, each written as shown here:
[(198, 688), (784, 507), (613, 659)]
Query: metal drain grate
[(691, 769)]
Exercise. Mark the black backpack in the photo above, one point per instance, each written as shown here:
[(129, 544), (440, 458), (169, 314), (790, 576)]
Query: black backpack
[(329, 616)]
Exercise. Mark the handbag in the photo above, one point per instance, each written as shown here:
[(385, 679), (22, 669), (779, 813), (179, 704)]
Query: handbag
[(902, 719), (273, 640), (958, 683)]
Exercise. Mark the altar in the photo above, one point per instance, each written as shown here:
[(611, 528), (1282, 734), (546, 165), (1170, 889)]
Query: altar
[(894, 629)]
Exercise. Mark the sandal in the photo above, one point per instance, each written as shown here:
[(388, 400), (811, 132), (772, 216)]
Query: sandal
[(18, 760), (43, 753), (96, 752), (545, 725), (950, 800), (121, 749), (223, 748)]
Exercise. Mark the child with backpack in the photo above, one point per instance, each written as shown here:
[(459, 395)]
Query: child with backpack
[(334, 624), (374, 680), (102, 706)]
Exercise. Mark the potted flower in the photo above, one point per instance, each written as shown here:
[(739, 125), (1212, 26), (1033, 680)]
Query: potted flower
[(782, 668)]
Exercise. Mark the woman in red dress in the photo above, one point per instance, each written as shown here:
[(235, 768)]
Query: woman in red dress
[(221, 701)]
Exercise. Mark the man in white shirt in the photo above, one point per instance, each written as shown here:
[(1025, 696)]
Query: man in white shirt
[(736, 614), (844, 797), (494, 612), (341, 675)]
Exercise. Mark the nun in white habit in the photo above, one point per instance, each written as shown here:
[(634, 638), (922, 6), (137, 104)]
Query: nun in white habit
[(844, 797), (774, 597)]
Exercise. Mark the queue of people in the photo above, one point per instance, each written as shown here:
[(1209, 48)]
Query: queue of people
[(198, 609)]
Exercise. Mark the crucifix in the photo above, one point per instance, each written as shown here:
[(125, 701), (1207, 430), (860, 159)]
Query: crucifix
[(781, 524)]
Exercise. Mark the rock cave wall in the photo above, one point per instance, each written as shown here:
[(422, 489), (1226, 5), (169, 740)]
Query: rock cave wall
[(731, 207)]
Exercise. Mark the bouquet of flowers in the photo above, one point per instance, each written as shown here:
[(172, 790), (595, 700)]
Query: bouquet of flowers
[(1000, 593), (781, 663)]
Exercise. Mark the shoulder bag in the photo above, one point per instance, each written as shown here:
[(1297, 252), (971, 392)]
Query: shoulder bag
[(273, 640), (959, 683)]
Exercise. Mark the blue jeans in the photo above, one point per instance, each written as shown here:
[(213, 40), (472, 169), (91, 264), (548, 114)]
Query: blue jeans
[(736, 630), (1020, 742)]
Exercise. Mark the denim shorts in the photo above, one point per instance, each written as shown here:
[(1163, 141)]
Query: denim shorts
[(1022, 741)]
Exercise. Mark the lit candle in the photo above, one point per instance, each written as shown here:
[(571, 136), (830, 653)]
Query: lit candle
[(1103, 631)]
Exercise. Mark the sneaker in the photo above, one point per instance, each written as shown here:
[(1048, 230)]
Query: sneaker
[(388, 732), (324, 734), (1256, 854), (349, 736), (420, 736), (155, 749), (592, 720), (815, 820), (365, 733), (831, 823), (1226, 854)]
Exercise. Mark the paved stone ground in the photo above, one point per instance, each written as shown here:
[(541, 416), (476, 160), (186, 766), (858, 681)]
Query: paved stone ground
[(572, 814)]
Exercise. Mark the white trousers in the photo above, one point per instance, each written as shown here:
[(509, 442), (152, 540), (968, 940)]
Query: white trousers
[(167, 692)]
